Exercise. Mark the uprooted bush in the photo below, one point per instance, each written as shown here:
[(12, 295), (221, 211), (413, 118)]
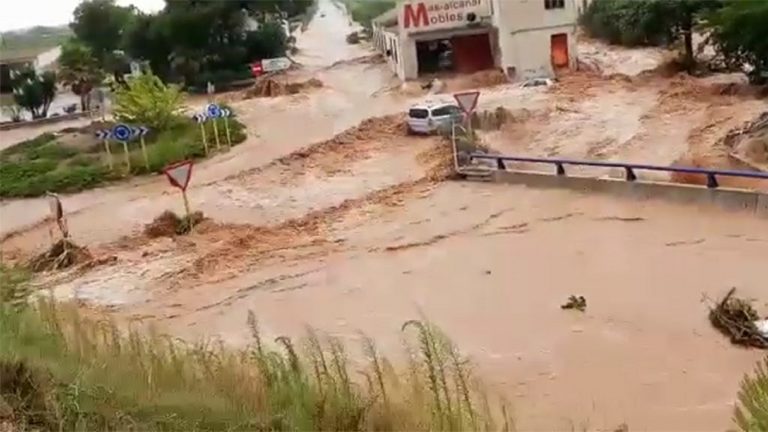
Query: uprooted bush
[(735, 318), (169, 224), (270, 87), (61, 255), (353, 38)]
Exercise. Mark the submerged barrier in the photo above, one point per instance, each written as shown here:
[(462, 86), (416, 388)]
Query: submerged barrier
[(629, 186), (629, 168)]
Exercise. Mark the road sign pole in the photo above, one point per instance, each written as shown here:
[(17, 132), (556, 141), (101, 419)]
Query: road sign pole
[(226, 127), (127, 156), (186, 203), (144, 152), (216, 133), (109, 154), (205, 140)]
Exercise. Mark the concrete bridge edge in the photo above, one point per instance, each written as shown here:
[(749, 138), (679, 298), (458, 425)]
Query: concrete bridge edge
[(723, 198)]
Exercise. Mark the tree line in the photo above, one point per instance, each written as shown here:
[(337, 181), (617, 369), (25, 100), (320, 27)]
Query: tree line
[(736, 29), (189, 42)]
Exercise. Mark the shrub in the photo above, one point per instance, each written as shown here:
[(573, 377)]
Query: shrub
[(28, 145), (751, 415), (148, 101), (34, 178)]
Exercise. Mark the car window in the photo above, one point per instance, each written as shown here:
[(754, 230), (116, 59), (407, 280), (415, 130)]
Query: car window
[(455, 110), (442, 111), (419, 113)]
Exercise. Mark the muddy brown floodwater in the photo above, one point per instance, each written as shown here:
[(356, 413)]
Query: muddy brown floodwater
[(491, 265), (329, 215)]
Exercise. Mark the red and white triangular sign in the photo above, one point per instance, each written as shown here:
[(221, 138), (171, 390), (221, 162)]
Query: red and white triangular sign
[(179, 174), (467, 100)]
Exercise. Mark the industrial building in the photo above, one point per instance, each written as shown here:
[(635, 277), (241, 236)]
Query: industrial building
[(524, 38)]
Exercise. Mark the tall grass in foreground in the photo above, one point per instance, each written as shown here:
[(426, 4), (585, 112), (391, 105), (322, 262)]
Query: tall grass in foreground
[(61, 371), (751, 414)]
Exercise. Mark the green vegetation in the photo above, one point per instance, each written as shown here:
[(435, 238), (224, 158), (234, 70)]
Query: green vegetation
[(751, 414), (33, 40), (739, 32), (363, 11), (34, 92), (145, 100), (79, 70), (737, 28), (61, 371), (187, 42), (76, 160)]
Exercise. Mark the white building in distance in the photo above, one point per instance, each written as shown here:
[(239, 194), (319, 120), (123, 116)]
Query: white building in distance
[(524, 38)]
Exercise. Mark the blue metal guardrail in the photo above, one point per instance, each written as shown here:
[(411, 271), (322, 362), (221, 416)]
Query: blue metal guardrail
[(629, 168)]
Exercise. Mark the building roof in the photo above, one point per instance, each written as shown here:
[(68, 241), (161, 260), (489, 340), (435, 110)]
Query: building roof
[(388, 18)]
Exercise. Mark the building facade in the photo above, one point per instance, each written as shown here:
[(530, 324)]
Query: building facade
[(524, 38)]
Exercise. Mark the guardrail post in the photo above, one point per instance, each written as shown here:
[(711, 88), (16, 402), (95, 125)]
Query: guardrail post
[(630, 174), (712, 181), (560, 169), (500, 164)]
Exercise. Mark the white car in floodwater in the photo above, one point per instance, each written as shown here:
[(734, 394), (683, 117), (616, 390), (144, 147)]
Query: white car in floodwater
[(430, 117)]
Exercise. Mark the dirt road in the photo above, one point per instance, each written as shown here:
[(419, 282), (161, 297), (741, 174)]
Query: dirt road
[(317, 221)]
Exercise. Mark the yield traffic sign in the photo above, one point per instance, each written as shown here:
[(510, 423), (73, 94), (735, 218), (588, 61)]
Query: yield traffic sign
[(467, 101), (179, 174)]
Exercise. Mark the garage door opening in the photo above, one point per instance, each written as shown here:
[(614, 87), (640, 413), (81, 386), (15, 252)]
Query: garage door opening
[(462, 54), (435, 56)]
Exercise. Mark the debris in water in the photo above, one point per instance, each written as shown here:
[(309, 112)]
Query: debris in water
[(579, 303), (270, 87), (63, 254), (737, 319), (169, 224), (353, 38)]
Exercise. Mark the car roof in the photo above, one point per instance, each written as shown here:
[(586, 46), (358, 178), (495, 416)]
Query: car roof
[(433, 104)]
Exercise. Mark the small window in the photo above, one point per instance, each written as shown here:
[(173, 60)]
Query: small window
[(418, 113), (554, 4)]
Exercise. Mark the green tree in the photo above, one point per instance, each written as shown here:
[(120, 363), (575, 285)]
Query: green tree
[(34, 92), (684, 15), (80, 70), (740, 35), (99, 25), (648, 22), (146, 100), (193, 41)]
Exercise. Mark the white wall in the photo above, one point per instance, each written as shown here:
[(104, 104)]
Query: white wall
[(530, 52), (525, 30), (517, 15), (389, 41)]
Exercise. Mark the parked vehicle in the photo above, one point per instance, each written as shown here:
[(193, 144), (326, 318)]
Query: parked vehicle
[(431, 117)]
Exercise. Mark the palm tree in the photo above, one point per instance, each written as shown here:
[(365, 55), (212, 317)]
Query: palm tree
[(80, 70)]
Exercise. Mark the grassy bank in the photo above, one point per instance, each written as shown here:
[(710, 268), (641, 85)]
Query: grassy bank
[(74, 160), (60, 371)]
